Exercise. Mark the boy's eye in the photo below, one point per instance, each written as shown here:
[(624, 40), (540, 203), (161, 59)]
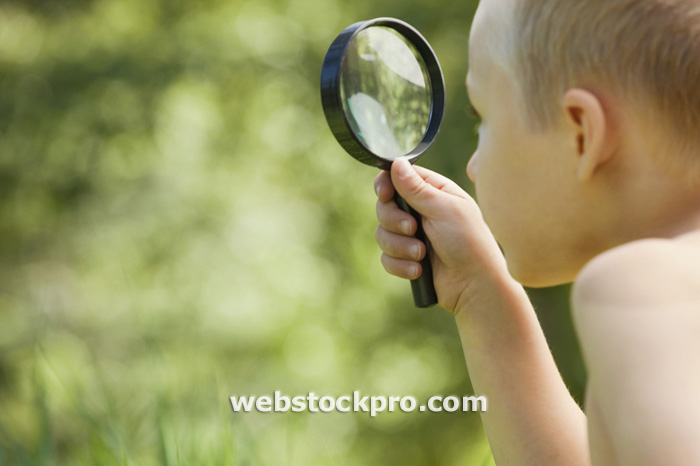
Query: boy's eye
[(475, 115), (472, 111)]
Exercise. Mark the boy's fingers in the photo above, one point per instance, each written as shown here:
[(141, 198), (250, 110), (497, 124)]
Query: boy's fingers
[(398, 246), (441, 182), (411, 186), (409, 270), (394, 219), (383, 186)]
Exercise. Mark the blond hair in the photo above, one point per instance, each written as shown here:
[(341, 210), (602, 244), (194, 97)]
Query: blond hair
[(646, 51)]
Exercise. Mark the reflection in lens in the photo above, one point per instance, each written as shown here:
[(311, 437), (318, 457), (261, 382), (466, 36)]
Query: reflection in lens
[(386, 92)]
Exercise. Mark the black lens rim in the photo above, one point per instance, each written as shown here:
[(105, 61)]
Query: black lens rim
[(333, 105)]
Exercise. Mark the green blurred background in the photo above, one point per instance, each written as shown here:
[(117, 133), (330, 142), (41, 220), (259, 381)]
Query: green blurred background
[(178, 225)]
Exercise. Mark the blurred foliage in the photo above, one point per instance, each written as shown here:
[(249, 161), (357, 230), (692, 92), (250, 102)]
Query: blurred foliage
[(177, 225)]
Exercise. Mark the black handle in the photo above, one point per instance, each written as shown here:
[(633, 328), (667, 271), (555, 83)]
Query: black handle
[(423, 288)]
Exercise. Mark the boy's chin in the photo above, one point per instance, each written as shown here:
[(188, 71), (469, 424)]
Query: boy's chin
[(534, 277)]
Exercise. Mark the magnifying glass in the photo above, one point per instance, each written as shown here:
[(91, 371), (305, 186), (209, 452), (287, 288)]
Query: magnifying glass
[(383, 94)]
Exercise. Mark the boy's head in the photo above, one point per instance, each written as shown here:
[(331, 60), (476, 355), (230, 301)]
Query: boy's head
[(589, 108)]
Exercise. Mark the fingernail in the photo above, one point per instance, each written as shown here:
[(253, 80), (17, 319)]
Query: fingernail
[(413, 271), (405, 227), (378, 190), (415, 251), (402, 167)]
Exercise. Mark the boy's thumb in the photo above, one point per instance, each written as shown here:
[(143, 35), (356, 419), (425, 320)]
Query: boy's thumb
[(409, 184)]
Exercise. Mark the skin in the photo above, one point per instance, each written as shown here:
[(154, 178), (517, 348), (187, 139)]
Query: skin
[(584, 201)]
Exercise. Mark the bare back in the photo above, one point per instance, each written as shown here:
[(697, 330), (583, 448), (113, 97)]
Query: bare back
[(637, 311)]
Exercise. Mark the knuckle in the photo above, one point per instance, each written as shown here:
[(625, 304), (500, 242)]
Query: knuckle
[(420, 187), (386, 263), (388, 218), (378, 234), (381, 211)]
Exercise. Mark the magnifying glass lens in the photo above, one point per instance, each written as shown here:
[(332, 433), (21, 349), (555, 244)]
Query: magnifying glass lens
[(385, 92)]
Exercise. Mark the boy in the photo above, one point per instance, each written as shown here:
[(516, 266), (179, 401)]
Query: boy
[(587, 170)]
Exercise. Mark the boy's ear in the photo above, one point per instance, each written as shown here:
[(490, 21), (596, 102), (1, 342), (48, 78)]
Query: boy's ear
[(589, 130)]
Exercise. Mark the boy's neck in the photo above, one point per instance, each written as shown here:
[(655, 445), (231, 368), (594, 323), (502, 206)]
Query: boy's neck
[(654, 203)]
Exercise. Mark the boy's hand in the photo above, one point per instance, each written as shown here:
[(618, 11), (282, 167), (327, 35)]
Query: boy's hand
[(463, 252)]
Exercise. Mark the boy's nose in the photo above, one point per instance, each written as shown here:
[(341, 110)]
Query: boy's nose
[(471, 168)]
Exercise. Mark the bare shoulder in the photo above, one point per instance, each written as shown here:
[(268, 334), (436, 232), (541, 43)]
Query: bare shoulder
[(637, 315), (641, 274)]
